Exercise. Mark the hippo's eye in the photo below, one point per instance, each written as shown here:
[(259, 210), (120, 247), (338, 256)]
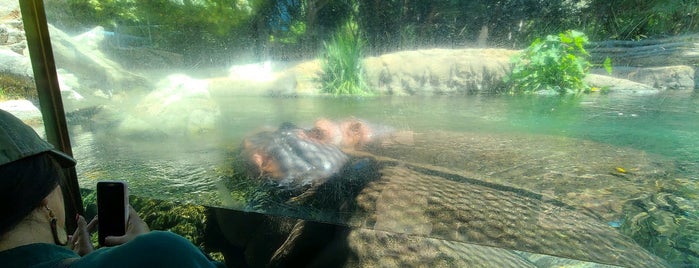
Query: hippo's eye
[(356, 127), (315, 133)]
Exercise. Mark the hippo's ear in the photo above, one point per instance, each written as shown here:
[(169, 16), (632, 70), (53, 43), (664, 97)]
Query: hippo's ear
[(287, 126), (266, 164), (259, 159)]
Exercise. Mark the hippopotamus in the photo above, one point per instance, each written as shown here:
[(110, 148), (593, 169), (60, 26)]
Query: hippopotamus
[(293, 157)]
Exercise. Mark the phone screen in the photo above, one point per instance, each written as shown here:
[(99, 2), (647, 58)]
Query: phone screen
[(111, 209)]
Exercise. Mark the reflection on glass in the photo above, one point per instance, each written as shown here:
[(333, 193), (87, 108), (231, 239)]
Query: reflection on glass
[(233, 105)]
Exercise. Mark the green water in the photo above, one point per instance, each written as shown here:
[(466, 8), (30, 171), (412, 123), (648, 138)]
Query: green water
[(666, 124)]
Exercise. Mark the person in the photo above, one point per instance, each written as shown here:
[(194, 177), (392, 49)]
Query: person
[(32, 215)]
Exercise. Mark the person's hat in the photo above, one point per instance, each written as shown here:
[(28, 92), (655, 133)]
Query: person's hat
[(18, 140)]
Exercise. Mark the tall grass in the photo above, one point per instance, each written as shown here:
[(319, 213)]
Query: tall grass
[(343, 73)]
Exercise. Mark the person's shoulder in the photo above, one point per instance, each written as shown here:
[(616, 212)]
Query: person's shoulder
[(154, 249), (162, 240), (35, 255), (171, 246)]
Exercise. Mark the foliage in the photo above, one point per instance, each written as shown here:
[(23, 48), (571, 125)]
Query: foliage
[(12, 88), (296, 30), (217, 31), (343, 73), (633, 19), (178, 26), (556, 64), (186, 220), (411, 24)]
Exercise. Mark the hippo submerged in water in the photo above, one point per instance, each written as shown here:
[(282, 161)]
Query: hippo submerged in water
[(293, 157)]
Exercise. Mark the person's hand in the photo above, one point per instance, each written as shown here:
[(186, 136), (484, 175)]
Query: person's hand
[(134, 227), (80, 240)]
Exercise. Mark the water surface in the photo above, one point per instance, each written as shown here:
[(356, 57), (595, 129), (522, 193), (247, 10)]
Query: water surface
[(665, 124)]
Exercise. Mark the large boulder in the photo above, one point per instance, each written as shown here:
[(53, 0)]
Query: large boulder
[(15, 70), (618, 85), (86, 76), (679, 77), (418, 72), (12, 32), (438, 71), (181, 107), (99, 76), (260, 79)]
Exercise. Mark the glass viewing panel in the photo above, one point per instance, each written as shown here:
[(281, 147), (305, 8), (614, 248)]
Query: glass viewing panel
[(406, 121)]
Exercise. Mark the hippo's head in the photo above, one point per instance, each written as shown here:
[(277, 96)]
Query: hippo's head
[(291, 157)]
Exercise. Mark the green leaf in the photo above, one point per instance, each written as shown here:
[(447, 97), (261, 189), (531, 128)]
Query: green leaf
[(608, 65), (557, 64)]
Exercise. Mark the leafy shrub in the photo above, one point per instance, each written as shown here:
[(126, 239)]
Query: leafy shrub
[(556, 64), (343, 73)]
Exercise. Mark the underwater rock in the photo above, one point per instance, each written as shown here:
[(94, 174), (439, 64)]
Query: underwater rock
[(408, 213), (430, 201), (665, 223)]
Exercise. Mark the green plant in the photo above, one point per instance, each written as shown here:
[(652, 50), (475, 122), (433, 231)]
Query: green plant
[(187, 220), (556, 64), (343, 73)]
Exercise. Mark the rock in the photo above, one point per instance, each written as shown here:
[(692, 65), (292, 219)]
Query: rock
[(132, 57), (306, 75), (7, 7), (11, 28), (679, 77), (180, 107), (418, 72), (443, 72), (259, 79), (619, 86), (22, 109), (144, 58), (94, 70), (16, 75), (438, 71), (92, 39), (67, 82), (665, 223), (16, 65), (85, 75)]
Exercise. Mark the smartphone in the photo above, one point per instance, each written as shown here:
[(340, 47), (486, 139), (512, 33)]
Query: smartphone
[(112, 209)]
